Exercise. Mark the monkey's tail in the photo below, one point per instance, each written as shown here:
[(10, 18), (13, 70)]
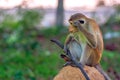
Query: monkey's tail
[(99, 68)]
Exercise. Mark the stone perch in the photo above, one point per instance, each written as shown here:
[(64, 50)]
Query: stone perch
[(74, 73)]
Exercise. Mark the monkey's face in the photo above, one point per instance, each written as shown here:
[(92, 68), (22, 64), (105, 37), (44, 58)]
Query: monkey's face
[(77, 19)]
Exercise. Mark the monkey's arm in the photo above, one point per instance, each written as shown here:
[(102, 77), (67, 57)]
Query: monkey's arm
[(91, 36), (68, 39)]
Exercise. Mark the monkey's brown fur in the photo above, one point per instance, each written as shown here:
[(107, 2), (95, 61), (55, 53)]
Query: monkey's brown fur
[(92, 48)]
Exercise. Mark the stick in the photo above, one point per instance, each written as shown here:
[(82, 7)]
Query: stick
[(58, 43)]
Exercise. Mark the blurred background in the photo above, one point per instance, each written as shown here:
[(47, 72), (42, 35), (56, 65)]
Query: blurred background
[(26, 27)]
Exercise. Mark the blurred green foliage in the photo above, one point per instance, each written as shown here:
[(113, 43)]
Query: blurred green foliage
[(111, 30), (49, 32), (20, 34), (110, 57), (112, 21), (20, 66), (111, 33), (22, 56), (110, 63)]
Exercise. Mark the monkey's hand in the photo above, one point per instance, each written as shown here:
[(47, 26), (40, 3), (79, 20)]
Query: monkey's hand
[(65, 57), (91, 37)]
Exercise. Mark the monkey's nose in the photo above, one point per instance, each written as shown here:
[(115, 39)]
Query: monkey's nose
[(75, 23)]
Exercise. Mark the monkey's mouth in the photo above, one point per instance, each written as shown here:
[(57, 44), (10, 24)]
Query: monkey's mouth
[(72, 29)]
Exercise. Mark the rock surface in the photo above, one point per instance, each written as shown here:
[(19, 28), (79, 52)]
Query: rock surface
[(73, 73)]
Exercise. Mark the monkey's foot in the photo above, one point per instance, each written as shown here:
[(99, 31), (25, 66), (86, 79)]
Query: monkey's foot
[(65, 57)]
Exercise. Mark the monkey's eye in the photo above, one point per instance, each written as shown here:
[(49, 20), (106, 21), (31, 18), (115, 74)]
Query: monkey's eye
[(81, 21)]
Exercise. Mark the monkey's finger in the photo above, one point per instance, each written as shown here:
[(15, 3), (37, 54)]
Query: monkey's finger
[(65, 57)]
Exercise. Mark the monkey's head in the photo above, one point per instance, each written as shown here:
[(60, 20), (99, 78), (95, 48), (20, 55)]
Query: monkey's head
[(77, 18)]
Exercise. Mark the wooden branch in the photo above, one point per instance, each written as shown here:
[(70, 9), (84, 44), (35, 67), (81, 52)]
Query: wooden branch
[(58, 43)]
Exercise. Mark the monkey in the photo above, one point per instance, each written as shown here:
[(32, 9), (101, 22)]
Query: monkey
[(85, 41)]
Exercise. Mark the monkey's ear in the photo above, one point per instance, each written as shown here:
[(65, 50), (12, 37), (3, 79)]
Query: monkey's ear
[(82, 21)]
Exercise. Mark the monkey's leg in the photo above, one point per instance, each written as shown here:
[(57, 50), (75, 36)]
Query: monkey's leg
[(85, 56), (67, 60), (99, 68), (65, 57)]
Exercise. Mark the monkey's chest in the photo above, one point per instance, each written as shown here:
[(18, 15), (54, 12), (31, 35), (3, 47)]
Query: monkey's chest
[(81, 39), (77, 45), (75, 49)]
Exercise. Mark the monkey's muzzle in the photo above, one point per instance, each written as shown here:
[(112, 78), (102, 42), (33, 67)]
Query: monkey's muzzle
[(76, 23)]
